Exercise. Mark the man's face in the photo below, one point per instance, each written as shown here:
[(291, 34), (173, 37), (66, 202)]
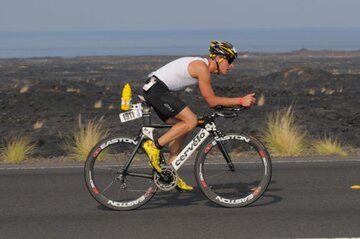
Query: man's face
[(224, 66)]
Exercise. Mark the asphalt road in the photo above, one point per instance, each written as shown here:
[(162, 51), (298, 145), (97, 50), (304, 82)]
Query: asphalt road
[(306, 199)]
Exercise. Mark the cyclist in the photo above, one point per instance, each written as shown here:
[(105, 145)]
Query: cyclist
[(176, 76)]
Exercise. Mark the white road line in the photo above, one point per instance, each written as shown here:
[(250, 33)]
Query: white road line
[(315, 161), (276, 161), (330, 238), (40, 167)]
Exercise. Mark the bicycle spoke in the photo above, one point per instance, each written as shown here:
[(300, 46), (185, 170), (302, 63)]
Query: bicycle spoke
[(235, 188), (119, 177), (107, 187)]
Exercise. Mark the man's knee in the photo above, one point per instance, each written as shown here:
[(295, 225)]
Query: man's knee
[(191, 122), (188, 118)]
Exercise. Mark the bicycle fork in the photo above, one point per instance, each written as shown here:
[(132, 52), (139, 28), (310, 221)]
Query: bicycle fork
[(224, 151)]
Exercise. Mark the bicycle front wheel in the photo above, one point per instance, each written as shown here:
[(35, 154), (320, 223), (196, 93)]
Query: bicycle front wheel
[(118, 175), (242, 178)]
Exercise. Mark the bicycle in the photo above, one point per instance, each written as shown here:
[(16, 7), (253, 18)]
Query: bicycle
[(231, 170)]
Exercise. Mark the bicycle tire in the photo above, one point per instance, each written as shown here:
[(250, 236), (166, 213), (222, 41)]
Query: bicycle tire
[(110, 184), (242, 186)]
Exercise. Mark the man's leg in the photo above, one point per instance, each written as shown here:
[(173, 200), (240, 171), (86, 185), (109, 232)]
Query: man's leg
[(175, 147), (184, 122), (187, 121)]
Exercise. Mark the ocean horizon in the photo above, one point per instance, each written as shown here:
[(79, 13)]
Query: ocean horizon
[(173, 42)]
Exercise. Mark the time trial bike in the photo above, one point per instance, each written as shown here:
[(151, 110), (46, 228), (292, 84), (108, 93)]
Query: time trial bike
[(231, 169)]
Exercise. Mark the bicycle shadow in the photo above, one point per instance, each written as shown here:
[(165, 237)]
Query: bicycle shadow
[(175, 199), (170, 199), (268, 198)]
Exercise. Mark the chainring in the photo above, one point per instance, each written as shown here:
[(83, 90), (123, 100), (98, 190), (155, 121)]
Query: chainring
[(166, 180)]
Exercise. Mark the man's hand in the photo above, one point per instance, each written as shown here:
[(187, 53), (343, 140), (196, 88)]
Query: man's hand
[(248, 100)]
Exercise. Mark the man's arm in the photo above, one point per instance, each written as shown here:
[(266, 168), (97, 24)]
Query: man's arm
[(202, 73)]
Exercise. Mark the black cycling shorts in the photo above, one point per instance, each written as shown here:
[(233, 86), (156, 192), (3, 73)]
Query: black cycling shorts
[(166, 104)]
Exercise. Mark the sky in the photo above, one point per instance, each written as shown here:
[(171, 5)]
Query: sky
[(117, 15)]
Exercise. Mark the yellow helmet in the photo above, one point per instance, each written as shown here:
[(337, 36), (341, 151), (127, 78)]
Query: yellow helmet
[(224, 49)]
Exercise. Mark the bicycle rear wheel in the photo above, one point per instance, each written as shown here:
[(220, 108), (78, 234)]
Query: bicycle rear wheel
[(118, 175), (244, 184)]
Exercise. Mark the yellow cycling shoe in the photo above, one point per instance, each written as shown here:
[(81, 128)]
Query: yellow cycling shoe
[(154, 155), (182, 186)]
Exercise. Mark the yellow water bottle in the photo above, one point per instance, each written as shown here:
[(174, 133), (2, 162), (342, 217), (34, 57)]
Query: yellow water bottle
[(126, 97)]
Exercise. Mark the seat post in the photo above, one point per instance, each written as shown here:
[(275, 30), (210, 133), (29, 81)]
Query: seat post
[(146, 111), (146, 117)]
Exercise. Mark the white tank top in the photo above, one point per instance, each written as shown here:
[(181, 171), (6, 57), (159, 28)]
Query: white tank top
[(176, 75)]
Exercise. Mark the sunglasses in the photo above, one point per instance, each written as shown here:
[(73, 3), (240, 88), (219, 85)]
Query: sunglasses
[(230, 61)]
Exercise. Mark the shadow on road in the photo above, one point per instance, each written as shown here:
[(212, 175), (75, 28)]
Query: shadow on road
[(176, 199)]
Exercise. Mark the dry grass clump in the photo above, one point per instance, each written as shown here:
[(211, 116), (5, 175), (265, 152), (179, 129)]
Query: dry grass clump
[(261, 101), (85, 138), (38, 124), (24, 89), (111, 107), (311, 91), (73, 90), (327, 91), (329, 146), (98, 104), (17, 149), (283, 137)]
